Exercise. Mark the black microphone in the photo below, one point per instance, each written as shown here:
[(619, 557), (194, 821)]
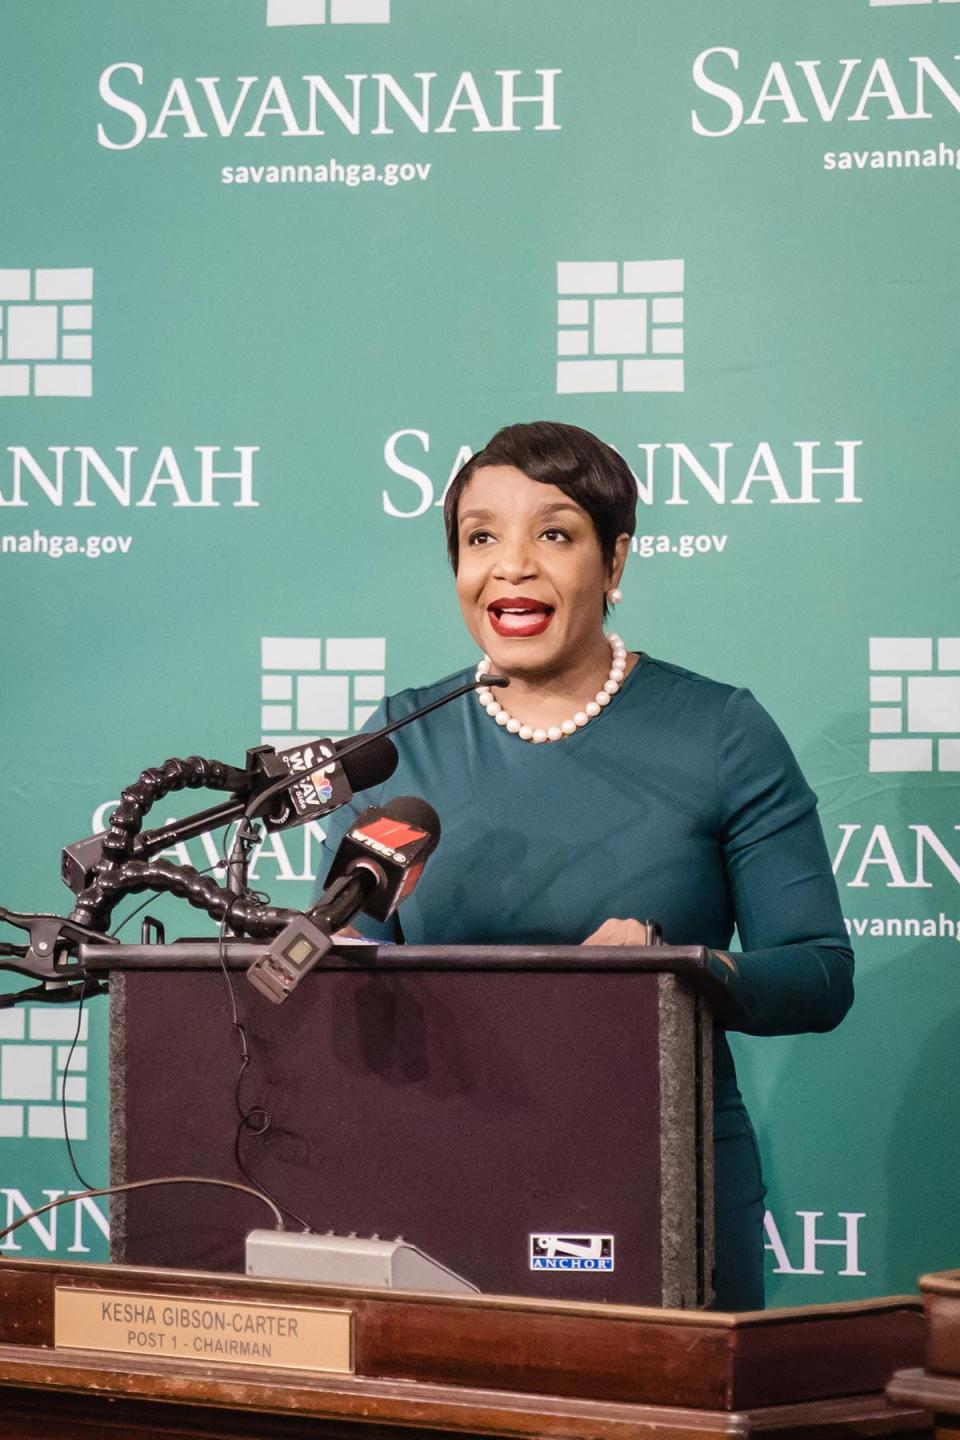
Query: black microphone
[(377, 865), (320, 774), (358, 743), (323, 775), (324, 783)]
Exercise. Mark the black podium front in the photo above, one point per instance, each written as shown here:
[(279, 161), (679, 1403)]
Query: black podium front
[(469, 1099)]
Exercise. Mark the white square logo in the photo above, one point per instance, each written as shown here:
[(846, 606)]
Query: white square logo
[(619, 326), (914, 703), (46, 344), (316, 687), (34, 1089), (323, 12)]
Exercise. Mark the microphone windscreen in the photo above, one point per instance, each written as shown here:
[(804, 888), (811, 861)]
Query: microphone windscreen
[(414, 811), (371, 764)]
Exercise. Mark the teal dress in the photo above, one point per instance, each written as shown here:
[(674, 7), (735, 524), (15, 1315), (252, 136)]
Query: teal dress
[(681, 801)]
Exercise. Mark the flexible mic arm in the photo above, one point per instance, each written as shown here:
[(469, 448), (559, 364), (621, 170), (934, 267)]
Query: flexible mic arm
[(193, 773), (150, 841), (245, 914), (96, 901), (119, 873)]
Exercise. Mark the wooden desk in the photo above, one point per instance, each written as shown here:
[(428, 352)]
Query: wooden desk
[(476, 1366), (936, 1386)]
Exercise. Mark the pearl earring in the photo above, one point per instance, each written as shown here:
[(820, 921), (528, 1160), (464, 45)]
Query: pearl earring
[(615, 596)]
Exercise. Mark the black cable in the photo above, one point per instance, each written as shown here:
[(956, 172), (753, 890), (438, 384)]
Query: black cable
[(90, 1194), (63, 1091), (218, 864), (256, 1119)]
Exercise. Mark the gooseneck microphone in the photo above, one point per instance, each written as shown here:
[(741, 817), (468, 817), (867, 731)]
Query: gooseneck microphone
[(360, 742), (289, 787), (377, 865), (302, 767)]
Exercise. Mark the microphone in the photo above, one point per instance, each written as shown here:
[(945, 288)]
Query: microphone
[(361, 742), (377, 865), (322, 775), (324, 783), (319, 777)]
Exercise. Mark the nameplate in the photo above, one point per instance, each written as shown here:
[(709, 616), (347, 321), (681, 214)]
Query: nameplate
[(216, 1332)]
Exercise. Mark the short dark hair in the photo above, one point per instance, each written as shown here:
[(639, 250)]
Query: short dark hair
[(591, 473)]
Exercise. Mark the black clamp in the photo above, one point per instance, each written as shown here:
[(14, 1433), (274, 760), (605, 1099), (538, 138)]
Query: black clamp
[(50, 958)]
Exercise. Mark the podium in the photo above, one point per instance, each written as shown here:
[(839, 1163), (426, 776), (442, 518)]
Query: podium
[(497, 1107)]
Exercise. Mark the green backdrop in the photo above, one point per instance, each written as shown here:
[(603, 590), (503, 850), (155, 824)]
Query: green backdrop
[(330, 246)]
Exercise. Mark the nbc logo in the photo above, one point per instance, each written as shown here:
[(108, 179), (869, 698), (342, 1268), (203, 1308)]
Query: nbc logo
[(312, 687), (914, 704), (322, 12), (46, 343), (620, 326), (34, 1045)]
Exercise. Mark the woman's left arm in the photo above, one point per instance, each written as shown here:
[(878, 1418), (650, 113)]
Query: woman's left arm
[(795, 972)]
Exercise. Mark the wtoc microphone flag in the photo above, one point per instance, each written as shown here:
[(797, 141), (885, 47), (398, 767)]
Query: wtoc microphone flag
[(377, 865)]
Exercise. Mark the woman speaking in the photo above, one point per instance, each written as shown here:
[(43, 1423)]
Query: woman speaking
[(606, 785)]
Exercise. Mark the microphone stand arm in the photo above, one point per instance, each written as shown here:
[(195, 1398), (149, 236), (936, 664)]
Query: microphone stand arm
[(121, 860)]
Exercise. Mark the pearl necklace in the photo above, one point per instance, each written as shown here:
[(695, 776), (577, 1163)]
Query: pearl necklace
[(569, 727)]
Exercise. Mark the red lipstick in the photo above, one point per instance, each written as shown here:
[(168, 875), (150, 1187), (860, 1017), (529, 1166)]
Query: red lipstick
[(519, 616)]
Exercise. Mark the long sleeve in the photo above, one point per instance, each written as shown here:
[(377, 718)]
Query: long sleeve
[(795, 972)]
